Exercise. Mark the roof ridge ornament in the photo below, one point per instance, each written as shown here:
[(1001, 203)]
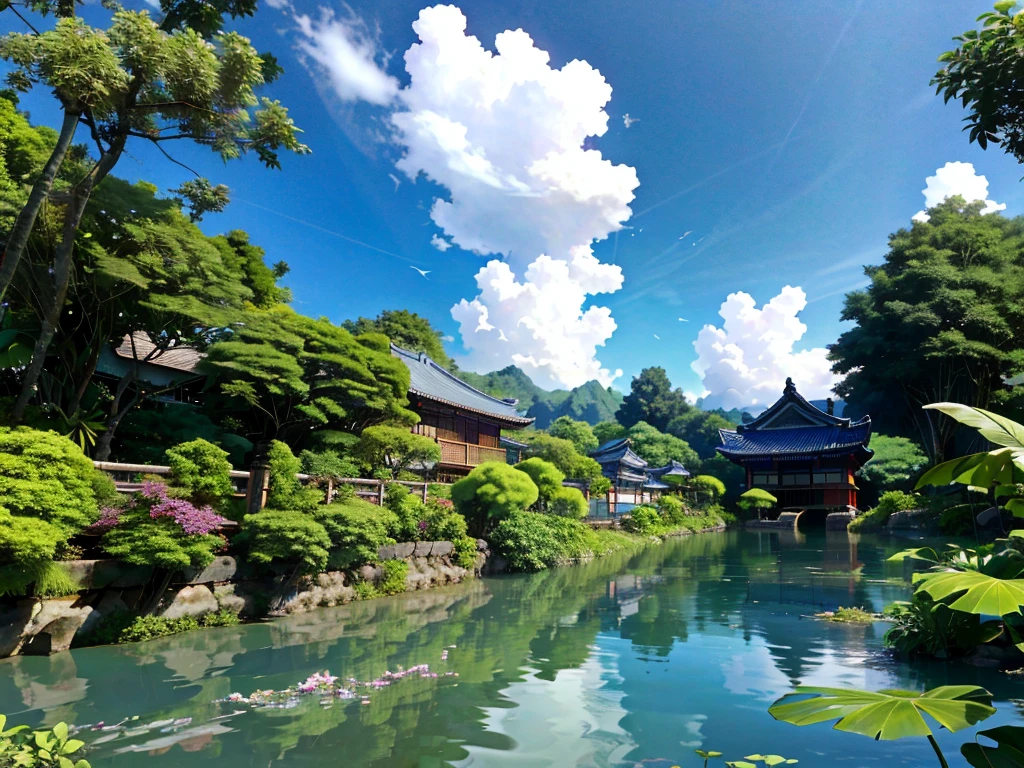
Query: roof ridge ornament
[(790, 387)]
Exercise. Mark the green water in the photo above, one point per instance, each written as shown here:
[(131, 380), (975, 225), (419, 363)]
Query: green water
[(630, 660)]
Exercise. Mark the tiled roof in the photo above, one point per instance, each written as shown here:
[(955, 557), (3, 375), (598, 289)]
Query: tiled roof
[(672, 469), (796, 441), (618, 451), (180, 358), (432, 382)]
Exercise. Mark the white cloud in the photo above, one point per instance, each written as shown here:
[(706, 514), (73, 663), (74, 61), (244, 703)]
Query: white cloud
[(747, 360), (440, 243), (956, 179), (347, 53), (505, 134)]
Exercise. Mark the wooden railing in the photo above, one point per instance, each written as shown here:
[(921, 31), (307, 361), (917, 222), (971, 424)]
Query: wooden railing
[(467, 454)]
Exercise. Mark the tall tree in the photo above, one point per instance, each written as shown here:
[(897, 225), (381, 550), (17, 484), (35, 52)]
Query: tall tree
[(406, 329), (652, 399), (579, 433), (941, 321), (181, 78), (700, 429), (658, 448)]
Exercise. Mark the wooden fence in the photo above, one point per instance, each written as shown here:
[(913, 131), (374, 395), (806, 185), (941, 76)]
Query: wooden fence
[(253, 486)]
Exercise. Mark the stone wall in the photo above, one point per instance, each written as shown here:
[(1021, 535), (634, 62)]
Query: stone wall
[(41, 627)]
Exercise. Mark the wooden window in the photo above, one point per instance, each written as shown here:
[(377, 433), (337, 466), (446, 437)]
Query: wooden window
[(794, 479), (766, 479), (827, 477)]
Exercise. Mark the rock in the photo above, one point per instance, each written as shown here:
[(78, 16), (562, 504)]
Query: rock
[(222, 568), (370, 574), (911, 519), (228, 600), (442, 549), (195, 601), (838, 521), (387, 553), (481, 545), (97, 574), (14, 621), (404, 549), (422, 548), (327, 590), (55, 625)]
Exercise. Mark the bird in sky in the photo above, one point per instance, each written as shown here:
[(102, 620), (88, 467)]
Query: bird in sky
[(628, 121), (423, 272), (657, 337), (686, 233), (683, 320), (501, 335)]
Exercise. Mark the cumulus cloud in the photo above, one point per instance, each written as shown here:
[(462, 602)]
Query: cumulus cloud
[(956, 179), (505, 134), (440, 243), (346, 52), (747, 360)]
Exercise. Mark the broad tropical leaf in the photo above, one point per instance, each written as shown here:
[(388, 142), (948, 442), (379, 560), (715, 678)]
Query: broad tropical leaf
[(982, 593), (925, 554), (1003, 466), (993, 427), (1008, 752), (886, 715)]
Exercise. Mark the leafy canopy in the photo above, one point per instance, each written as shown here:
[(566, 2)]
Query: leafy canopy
[(579, 433), (545, 475), (407, 330), (491, 492), (395, 449), (651, 399)]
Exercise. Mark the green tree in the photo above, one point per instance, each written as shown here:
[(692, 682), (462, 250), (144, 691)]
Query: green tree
[(709, 489), (246, 259), (568, 502), (545, 475), (658, 448), (406, 329), (756, 500), (286, 536), (984, 73), (285, 490), (181, 78), (699, 429), (651, 399), (202, 471), (579, 433), (563, 454), (396, 449), (490, 493), (895, 463), (608, 430), (940, 321)]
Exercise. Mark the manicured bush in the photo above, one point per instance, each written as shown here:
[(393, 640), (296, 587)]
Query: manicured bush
[(389, 450), (889, 503), (393, 581), (409, 510), (708, 488), (531, 541), (287, 536), (643, 520), (672, 509), (756, 501), (327, 464), (154, 528), (284, 489), (202, 471), (568, 502), (47, 477), (545, 475), (491, 492), (357, 529)]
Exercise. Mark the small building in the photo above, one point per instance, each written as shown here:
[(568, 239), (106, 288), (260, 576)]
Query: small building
[(465, 422), (170, 369), (633, 481), (802, 455)]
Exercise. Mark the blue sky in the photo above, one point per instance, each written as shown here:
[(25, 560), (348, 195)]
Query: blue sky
[(792, 137)]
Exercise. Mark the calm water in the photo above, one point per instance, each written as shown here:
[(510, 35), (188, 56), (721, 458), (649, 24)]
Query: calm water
[(630, 660)]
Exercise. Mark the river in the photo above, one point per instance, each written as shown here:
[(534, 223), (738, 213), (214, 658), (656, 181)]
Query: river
[(633, 659)]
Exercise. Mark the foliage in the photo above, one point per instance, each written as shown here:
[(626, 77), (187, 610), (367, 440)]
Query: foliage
[(396, 449), (659, 448), (22, 747), (407, 330), (890, 503), (642, 520), (38, 578), (699, 429), (443, 523), (410, 513), (651, 400), (886, 715), (579, 433), (327, 464), (924, 627), (490, 492), (393, 579), (532, 542), (958, 520), (285, 489), (156, 529), (939, 321), (545, 475), (365, 590), (756, 500), (847, 616), (563, 454), (357, 530), (568, 502), (202, 470), (672, 509), (246, 259), (465, 552), (608, 430), (128, 628), (896, 461), (708, 489), (287, 536), (1008, 750), (983, 72)]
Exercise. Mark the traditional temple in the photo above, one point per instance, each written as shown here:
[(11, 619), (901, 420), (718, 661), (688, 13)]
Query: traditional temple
[(633, 482), (464, 421), (802, 455)]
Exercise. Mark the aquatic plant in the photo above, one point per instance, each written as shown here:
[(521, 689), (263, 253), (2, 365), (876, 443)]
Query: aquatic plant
[(847, 616), (25, 748)]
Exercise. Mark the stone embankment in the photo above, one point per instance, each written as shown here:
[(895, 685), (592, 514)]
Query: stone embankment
[(108, 587)]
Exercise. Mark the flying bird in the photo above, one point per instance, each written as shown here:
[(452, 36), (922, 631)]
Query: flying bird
[(423, 272), (686, 233), (628, 121), (396, 180), (683, 320), (657, 337)]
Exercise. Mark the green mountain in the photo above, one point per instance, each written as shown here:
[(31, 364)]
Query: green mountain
[(588, 402)]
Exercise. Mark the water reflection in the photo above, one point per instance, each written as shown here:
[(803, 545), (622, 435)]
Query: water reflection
[(636, 657)]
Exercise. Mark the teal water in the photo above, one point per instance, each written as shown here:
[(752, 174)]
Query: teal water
[(631, 660)]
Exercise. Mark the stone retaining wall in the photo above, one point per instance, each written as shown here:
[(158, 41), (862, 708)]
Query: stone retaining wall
[(42, 627)]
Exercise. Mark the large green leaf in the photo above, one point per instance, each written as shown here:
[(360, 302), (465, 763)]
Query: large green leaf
[(981, 593), (993, 427), (1008, 752), (885, 715), (1003, 466)]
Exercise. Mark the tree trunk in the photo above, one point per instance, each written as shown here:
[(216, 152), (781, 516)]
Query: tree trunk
[(18, 237), (83, 385), (103, 445)]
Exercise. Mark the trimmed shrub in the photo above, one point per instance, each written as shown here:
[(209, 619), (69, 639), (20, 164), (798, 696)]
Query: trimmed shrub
[(672, 509), (491, 492), (888, 504), (389, 450), (284, 489), (287, 536), (756, 500), (393, 582), (568, 502), (202, 471), (643, 520), (409, 511), (531, 541), (327, 464), (545, 475), (357, 529), (708, 488)]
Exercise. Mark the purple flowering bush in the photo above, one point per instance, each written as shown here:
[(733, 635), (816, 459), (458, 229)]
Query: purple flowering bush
[(155, 528)]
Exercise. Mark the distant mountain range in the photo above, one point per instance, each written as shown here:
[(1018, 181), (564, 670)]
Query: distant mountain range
[(588, 402)]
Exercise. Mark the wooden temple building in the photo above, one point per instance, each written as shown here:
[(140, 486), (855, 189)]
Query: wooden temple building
[(802, 455), (633, 481), (465, 422)]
